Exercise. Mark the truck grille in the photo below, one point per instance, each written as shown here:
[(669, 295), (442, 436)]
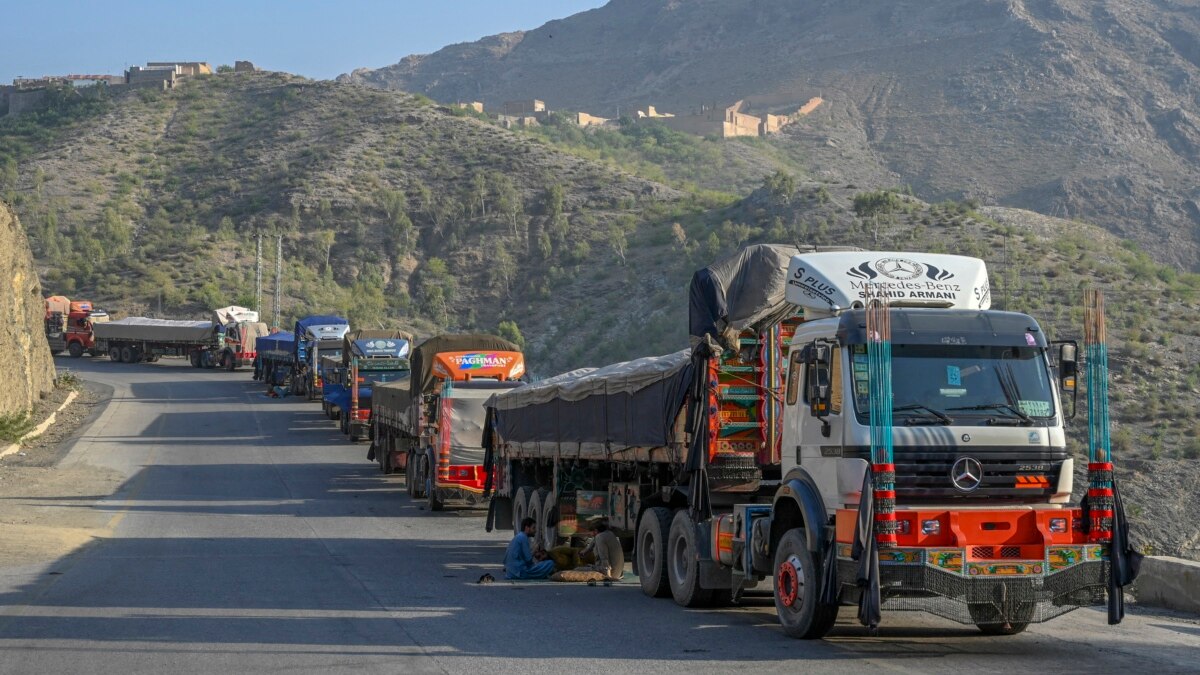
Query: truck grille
[(1009, 473)]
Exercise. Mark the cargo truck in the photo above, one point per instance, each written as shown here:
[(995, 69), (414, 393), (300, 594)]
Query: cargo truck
[(369, 358), (334, 385), (69, 326), (238, 331), (771, 452), (316, 336), (139, 339), (275, 354), (433, 429)]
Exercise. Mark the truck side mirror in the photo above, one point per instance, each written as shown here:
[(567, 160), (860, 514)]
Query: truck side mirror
[(1068, 372), (818, 389)]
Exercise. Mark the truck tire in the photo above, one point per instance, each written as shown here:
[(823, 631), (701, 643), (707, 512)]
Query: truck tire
[(683, 563), (383, 452), (797, 593), (521, 506), (435, 504), (548, 530), (127, 354), (194, 358), (345, 424), (114, 354), (410, 476), (75, 350), (537, 512), (651, 551), (231, 363)]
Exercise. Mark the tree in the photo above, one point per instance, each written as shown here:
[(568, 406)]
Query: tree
[(325, 239), (511, 332), (781, 186), (502, 270), (617, 240)]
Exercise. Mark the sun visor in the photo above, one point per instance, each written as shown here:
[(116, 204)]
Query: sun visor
[(828, 283)]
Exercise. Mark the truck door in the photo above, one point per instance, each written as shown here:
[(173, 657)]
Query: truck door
[(814, 426)]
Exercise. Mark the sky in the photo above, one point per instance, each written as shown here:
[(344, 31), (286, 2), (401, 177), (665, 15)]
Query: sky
[(320, 40)]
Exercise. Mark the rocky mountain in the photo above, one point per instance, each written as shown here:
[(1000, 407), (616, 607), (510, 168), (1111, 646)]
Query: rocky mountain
[(1074, 108), (25, 363)]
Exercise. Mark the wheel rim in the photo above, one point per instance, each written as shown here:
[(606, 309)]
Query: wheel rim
[(790, 582), (647, 554), (679, 561)]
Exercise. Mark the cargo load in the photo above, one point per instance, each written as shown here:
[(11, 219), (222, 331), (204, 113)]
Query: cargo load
[(156, 330)]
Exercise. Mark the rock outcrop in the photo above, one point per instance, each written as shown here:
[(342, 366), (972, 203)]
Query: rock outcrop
[(26, 367)]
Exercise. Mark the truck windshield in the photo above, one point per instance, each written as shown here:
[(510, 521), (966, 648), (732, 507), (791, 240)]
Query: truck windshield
[(370, 377), (961, 381)]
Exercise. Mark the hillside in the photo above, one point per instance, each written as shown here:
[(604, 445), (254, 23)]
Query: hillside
[(1077, 108), (25, 363)]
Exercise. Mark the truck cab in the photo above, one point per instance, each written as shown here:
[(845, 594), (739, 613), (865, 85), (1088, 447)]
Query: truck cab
[(370, 358), (980, 474), (316, 336)]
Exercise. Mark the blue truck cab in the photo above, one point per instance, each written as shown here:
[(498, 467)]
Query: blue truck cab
[(369, 358), (316, 336)]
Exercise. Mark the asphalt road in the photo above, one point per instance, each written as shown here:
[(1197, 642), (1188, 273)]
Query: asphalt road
[(248, 537)]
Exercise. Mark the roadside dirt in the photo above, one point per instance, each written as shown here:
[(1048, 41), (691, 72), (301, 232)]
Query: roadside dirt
[(46, 511)]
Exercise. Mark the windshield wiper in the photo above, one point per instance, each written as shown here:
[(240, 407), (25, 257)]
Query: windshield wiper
[(1025, 419), (942, 418)]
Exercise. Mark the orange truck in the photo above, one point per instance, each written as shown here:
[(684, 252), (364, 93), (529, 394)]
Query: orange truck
[(69, 325), (770, 456), (431, 426)]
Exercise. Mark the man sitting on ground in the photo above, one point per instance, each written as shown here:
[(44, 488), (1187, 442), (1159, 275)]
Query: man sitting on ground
[(519, 560), (610, 557)]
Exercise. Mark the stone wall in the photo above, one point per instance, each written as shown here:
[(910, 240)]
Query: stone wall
[(26, 367)]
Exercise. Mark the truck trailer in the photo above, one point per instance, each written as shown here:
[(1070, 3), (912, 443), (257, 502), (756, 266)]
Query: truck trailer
[(432, 429), (139, 339), (275, 355), (783, 449)]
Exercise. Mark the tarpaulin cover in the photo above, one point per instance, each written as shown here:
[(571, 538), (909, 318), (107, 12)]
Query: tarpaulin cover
[(348, 348), (234, 314), (58, 303), (465, 404), (422, 357), (309, 321), (625, 405), (745, 290), (393, 397), (275, 344), (248, 333), (154, 330)]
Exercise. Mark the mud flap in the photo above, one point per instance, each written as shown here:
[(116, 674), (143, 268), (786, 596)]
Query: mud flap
[(500, 514)]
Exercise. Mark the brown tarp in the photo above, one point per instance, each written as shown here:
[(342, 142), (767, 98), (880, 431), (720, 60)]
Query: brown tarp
[(422, 357)]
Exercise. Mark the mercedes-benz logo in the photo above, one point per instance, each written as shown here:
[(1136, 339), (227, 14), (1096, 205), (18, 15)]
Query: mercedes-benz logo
[(966, 474), (899, 268)]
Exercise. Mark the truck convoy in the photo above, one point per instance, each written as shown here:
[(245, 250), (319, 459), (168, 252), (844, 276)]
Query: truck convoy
[(432, 426), (316, 336), (369, 358), (766, 453), (69, 325)]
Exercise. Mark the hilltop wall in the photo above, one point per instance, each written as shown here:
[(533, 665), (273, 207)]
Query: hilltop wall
[(26, 367)]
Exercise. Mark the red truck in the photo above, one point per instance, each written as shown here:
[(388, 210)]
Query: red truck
[(69, 325)]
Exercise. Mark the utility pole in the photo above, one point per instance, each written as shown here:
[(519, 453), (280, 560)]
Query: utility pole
[(258, 276), (278, 277)]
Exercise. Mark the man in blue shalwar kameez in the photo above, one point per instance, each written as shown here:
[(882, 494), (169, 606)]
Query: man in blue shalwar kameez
[(518, 559)]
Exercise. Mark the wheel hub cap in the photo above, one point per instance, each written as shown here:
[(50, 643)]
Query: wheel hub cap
[(790, 582)]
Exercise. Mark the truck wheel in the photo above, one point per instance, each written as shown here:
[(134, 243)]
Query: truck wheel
[(127, 355), (75, 350), (536, 511), (652, 551), (345, 424), (383, 452), (548, 522), (231, 363), (435, 504), (410, 476), (990, 620), (797, 589), (683, 564), (114, 354), (194, 358), (521, 509)]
